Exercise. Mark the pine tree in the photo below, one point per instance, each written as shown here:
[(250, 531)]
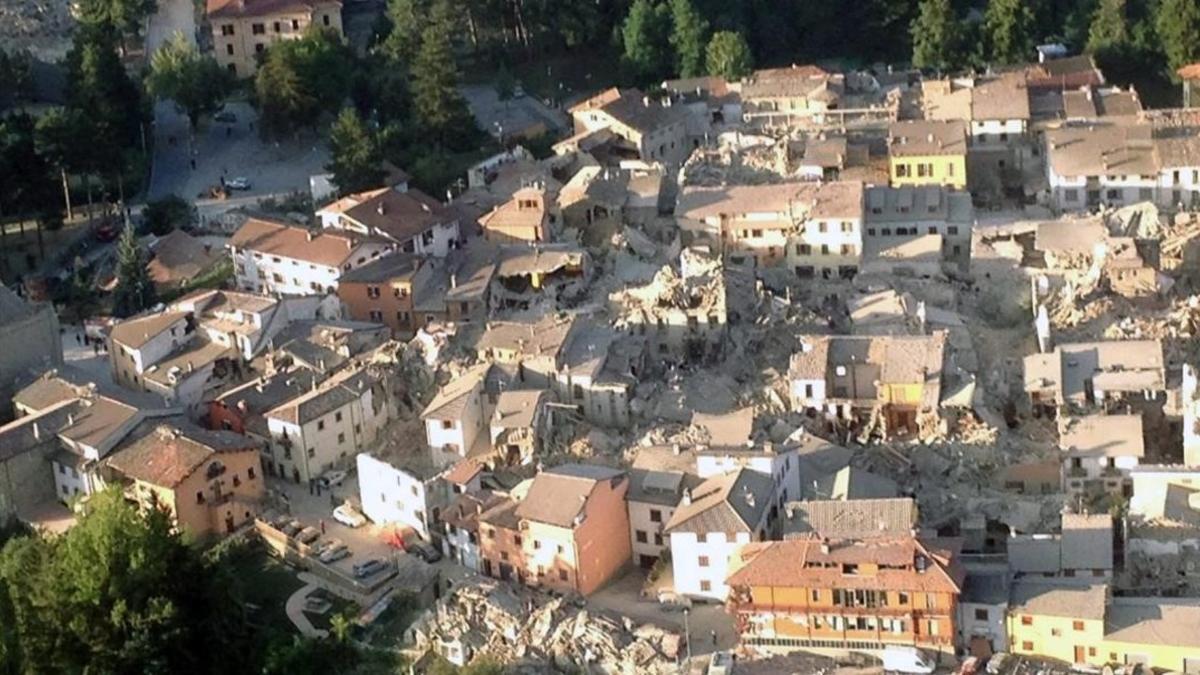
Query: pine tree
[(935, 36), (355, 157), (729, 56), (135, 290), (1178, 24), (1110, 26), (646, 35), (401, 44), (688, 35), (435, 75), (1009, 28)]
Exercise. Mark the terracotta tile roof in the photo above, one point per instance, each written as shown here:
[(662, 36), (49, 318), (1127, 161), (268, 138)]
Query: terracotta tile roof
[(814, 563), (559, 495), (242, 8), (169, 454), (464, 472), (331, 249), (137, 331), (399, 215), (178, 256)]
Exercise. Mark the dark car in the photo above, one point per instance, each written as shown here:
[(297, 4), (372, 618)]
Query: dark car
[(426, 552)]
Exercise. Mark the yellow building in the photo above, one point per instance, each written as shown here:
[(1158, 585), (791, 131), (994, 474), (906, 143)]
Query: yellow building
[(924, 152), (243, 29), (1081, 624), (210, 482)]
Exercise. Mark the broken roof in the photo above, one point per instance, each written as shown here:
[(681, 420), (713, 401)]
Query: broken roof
[(178, 256), (793, 82), (852, 519), (343, 388), (169, 454), (325, 247), (1112, 365), (544, 337), (663, 488), (558, 496), (853, 483), (797, 201), (731, 503), (517, 409), (902, 359), (193, 356), (726, 430), (1102, 436)]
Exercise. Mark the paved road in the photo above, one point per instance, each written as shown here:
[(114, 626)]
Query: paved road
[(170, 161)]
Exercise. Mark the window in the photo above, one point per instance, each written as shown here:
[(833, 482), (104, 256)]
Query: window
[(822, 227), (1091, 651), (655, 516), (1054, 632), (258, 29), (658, 539), (1112, 194), (803, 249), (641, 536), (1070, 195), (702, 561), (1027, 646), (921, 171), (199, 497), (250, 473), (705, 585), (447, 424), (952, 230), (902, 171), (325, 19), (903, 598), (562, 575), (375, 315), (295, 24), (320, 425), (259, 48), (337, 417), (981, 614), (1026, 620), (372, 292), (537, 543), (227, 29), (229, 51), (341, 438), (312, 452), (517, 539), (276, 27), (62, 469), (1077, 625), (847, 227), (816, 595)]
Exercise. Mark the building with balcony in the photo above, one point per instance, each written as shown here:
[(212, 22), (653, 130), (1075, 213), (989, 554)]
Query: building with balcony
[(243, 30), (846, 595)]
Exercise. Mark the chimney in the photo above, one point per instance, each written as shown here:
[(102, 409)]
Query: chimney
[(37, 432), (646, 101), (70, 419), (308, 235), (790, 510), (241, 406), (824, 547), (749, 496), (675, 450), (380, 209), (687, 497), (190, 367), (453, 281)]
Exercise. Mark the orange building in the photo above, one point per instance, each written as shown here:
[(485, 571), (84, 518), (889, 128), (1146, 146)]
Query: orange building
[(570, 531), (847, 595), (383, 291), (209, 481)]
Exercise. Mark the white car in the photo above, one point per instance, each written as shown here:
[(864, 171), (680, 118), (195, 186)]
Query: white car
[(332, 478), (349, 516), (239, 183)]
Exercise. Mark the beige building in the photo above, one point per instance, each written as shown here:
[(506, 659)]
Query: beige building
[(242, 30)]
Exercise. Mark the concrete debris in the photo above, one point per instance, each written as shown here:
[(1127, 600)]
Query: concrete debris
[(528, 630)]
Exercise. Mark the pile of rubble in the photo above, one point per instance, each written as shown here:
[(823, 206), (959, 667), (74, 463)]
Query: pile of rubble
[(525, 629)]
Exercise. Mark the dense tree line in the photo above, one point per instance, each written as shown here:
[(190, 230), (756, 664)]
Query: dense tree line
[(123, 592)]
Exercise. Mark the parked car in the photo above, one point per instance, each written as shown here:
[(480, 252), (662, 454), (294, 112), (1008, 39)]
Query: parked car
[(308, 535), (239, 183), (368, 568), (225, 117), (349, 516), (291, 528), (332, 478), (334, 552), (321, 546), (424, 551)]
